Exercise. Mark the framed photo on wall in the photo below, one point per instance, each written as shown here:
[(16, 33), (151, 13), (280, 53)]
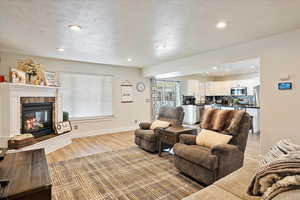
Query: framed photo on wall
[(126, 93), (51, 78)]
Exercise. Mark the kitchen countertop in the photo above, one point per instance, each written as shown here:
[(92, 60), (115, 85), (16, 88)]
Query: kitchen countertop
[(228, 106), (234, 106)]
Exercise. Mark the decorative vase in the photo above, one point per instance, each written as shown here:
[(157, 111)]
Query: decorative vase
[(30, 79)]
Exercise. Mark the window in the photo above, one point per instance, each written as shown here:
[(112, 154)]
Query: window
[(86, 95)]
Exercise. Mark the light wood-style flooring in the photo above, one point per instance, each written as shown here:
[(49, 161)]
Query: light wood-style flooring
[(96, 144)]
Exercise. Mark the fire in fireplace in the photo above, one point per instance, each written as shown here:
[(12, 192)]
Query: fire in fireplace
[(37, 118)]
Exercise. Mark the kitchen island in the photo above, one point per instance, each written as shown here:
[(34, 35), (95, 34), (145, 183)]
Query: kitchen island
[(192, 113)]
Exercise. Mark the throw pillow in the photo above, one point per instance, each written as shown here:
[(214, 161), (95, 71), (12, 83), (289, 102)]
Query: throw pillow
[(210, 139), (145, 125), (159, 124)]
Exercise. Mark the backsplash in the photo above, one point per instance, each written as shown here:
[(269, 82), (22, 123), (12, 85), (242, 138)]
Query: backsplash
[(229, 100)]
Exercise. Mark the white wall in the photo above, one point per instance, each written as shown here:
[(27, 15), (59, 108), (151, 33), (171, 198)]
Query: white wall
[(280, 55), (124, 114), (237, 77)]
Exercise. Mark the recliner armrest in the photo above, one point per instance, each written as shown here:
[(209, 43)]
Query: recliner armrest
[(225, 149), (230, 158), (145, 125), (187, 139)]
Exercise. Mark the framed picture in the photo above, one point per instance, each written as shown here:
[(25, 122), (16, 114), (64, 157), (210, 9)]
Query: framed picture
[(127, 93), (17, 76), (63, 127), (51, 79)]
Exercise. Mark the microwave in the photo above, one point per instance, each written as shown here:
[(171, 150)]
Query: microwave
[(238, 91)]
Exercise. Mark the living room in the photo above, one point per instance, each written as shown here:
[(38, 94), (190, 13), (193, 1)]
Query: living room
[(79, 96)]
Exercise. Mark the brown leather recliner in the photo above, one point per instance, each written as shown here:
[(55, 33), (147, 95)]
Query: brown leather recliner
[(146, 138), (208, 165)]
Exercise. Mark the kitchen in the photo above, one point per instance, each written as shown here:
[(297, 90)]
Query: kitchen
[(227, 92)]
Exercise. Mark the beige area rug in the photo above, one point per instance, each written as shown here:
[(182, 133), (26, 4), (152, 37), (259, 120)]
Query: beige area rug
[(125, 174)]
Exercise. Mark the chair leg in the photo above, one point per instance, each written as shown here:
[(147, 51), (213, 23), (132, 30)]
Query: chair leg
[(251, 125)]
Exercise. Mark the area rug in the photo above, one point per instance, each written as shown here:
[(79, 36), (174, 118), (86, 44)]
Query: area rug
[(125, 174)]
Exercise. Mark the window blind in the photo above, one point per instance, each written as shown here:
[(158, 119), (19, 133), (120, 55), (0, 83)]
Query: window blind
[(86, 95)]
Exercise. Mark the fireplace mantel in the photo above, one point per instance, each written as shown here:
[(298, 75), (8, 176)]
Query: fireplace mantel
[(10, 95)]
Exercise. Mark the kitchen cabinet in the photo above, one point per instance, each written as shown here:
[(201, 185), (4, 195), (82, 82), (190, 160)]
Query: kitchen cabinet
[(222, 88), (194, 88), (217, 88), (191, 114), (202, 88)]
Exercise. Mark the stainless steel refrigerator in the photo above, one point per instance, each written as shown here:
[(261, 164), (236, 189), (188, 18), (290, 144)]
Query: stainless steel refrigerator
[(257, 95)]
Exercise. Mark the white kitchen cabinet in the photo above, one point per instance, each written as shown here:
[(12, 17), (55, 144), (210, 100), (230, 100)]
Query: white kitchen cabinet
[(209, 89), (202, 88), (190, 87), (217, 88), (222, 88), (226, 86)]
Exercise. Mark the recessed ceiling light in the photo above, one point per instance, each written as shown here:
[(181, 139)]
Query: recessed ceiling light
[(221, 25), (129, 59), (215, 68), (60, 49), (75, 27), (252, 66)]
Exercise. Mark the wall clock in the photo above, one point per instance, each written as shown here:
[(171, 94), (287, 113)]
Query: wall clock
[(140, 87)]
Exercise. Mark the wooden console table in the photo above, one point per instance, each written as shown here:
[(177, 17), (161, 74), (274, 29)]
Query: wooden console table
[(28, 176)]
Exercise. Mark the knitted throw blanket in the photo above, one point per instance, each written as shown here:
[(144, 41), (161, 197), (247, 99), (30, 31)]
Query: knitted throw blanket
[(278, 171)]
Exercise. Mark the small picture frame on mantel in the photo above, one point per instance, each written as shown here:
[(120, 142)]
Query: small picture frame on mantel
[(63, 127), (51, 79)]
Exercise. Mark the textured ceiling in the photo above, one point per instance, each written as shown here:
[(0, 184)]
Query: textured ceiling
[(236, 68), (148, 31)]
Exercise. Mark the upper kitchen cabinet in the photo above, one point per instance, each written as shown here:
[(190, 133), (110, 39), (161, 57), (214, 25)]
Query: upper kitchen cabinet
[(202, 88), (217, 88), (190, 87), (222, 88)]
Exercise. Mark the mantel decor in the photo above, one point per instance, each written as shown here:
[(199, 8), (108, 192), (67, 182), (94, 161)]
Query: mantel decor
[(63, 127), (51, 78), (34, 71), (127, 92), (17, 76)]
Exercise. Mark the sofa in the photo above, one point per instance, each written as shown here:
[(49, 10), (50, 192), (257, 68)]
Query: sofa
[(207, 165), (148, 139), (235, 185)]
